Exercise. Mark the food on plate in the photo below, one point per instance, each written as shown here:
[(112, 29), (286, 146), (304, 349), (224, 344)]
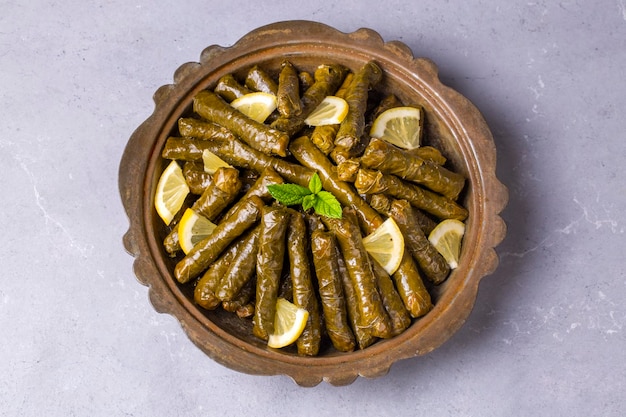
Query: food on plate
[(315, 208)]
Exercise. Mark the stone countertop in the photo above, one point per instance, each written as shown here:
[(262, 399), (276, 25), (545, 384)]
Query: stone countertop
[(547, 334)]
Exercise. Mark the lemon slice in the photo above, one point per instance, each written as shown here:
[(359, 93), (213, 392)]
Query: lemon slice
[(386, 245), (400, 126), (171, 192), (289, 323), (192, 228), (257, 106), (331, 111), (212, 162), (446, 238)]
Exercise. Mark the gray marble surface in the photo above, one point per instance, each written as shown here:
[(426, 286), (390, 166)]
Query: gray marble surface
[(79, 336)]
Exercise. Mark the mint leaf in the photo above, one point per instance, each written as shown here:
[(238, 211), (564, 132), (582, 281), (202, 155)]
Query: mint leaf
[(308, 201), (323, 202), (288, 194), (326, 204), (315, 184)]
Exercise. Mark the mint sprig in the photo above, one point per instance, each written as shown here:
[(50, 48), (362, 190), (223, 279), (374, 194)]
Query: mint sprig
[(323, 202)]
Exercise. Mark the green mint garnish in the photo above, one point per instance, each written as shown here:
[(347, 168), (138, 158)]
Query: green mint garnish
[(323, 202)]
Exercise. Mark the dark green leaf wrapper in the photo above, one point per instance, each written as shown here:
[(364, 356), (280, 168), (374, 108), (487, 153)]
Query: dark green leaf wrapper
[(288, 93), (304, 295), (389, 159), (274, 221), (258, 135), (324, 251), (242, 267), (372, 313), (373, 182), (205, 252)]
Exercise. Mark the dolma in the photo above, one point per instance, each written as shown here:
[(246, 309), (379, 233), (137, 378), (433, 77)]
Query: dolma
[(238, 154), (219, 194), (382, 204), (351, 131), (259, 80), (259, 189), (306, 80), (311, 157), (429, 260), (171, 242), (274, 220), (242, 267), (410, 286), (362, 335), (324, 136), (304, 295), (372, 312), (390, 159), (243, 303), (196, 177), (429, 153), (327, 79), (288, 94), (204, 292), (330, 288), (258, 135), (215, 198), (398, 314), (201, 129), (208, 250), (229, 88), (372, 182), (348, 169)]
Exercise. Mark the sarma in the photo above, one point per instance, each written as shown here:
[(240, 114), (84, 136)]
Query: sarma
[(304, 295), (242, 267), (330, 287), (274, 220), (324, 136), (410, 286), (196, 177), (362, 335), (390, 159), (427, 257), (288, 94), (259, 80), (258, 135), (398, 314), (352, 129), (372, 182), (372, 312), (311, 157), (327, 79), (204, 292), (238, 154), (201, 129), (229, 88), (208, 250)]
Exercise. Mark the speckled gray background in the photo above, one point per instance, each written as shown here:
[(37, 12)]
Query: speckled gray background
[(78, 334)]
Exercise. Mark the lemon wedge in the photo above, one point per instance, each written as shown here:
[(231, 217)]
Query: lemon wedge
[(257, 106), (400, 126), (446, 237), (331, 111), (192, 228), (171, 192), (289, 323), (212, 162), (386, 245)]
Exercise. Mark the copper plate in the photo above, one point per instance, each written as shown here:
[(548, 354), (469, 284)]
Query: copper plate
[(453, 124)]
